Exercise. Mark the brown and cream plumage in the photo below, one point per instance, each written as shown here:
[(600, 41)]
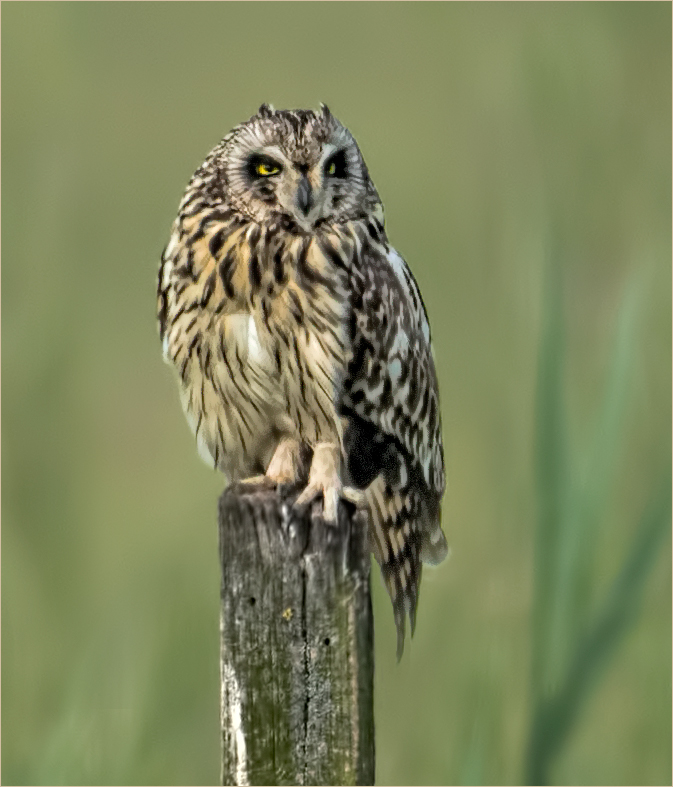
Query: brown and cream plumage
[(295, 328)]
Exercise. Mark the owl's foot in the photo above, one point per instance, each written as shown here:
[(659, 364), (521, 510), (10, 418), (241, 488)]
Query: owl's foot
[(323, 479), (287, 465)]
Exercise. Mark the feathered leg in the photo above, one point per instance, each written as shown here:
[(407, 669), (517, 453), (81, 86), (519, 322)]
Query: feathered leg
[(287, 465)]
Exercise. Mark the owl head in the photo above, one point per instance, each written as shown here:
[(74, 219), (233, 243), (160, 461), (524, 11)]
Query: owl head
[(298, 166)]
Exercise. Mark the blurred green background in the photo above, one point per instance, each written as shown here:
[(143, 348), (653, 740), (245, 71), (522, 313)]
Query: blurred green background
[(523, 153)]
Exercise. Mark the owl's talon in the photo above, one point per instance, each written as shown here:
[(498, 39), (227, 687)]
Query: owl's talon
[(323, 480), (330, 505), (330, 496), (257, 480), (354, 496)]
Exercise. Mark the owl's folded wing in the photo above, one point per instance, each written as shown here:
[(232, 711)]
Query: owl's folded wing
[(391, 383)]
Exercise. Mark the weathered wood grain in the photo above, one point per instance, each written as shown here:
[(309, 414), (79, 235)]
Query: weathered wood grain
[(296, 626)]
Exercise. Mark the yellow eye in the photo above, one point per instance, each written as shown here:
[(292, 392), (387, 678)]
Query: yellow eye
[(265, 169), (336, 165)]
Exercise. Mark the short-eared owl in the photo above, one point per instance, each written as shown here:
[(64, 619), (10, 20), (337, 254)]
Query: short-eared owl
[(298, 331)]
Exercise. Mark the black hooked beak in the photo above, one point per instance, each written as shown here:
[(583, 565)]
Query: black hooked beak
[(304, 196)]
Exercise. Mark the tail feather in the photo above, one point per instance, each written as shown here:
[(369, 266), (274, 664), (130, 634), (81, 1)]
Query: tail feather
[(404, 531)]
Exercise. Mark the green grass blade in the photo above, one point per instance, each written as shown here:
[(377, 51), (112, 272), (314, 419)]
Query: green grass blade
[(568, 655), (551, 472), (555, 718), (597, 473)]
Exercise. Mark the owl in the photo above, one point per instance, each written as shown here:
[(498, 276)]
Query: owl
[(300, 338)]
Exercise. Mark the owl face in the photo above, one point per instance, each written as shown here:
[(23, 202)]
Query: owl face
[(300, 165)]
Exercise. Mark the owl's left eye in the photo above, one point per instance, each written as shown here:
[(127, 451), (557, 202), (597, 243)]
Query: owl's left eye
[(264, 169), (263, 166)]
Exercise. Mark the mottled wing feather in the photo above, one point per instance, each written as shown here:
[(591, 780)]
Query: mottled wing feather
[(393, 440), (392, 381)]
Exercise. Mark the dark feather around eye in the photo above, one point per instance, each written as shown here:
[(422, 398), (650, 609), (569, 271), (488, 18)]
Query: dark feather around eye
[(335, 166), (259, 159)]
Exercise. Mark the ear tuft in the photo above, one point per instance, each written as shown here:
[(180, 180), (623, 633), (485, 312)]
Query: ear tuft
[(325, 111), (265, 111)]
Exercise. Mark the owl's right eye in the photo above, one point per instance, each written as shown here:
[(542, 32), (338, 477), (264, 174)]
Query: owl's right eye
[(263, 167), (335, 166)]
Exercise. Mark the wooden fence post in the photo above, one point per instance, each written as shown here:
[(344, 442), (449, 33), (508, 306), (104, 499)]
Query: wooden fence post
[(296, 635)]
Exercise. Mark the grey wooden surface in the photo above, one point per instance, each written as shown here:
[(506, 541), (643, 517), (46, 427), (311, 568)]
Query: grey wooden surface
[(296, 625)]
